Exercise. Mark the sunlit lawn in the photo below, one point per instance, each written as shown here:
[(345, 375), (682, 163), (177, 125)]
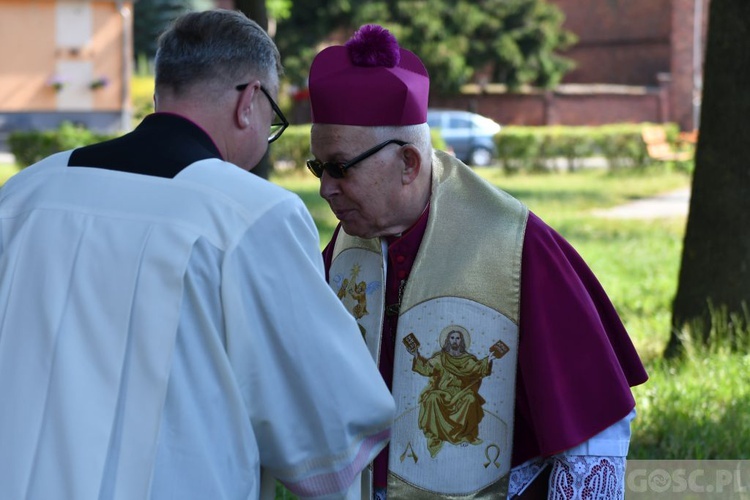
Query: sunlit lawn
[(636, 260), (697, 408), (6, 172)]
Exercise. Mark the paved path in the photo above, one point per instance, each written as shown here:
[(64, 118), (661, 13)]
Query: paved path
[(672, 204)]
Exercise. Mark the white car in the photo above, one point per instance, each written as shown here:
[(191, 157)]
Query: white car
[(469, 135)]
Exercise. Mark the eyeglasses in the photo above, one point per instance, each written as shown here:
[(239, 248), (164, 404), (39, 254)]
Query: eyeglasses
[(338, 169), (280, 123)]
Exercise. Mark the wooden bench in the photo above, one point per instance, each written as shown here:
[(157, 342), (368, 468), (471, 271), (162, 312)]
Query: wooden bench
[(658, 146), (689, 137)]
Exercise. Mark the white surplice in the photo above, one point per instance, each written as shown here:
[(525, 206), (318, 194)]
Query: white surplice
[(167, 338)]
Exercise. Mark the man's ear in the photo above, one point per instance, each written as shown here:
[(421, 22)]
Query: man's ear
[(412, 163), (244, 108)]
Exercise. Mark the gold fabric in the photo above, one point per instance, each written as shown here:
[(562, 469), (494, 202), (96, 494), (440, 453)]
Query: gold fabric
[(465, 279), (474, 238), (398, 488), (450, 406)]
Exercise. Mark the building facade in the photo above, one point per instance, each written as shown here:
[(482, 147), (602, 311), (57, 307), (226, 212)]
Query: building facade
[(65, 60), (636, 61), (654, 44)]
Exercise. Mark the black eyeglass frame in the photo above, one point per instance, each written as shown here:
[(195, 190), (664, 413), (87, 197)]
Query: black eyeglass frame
[(284, 122), (337, 170)]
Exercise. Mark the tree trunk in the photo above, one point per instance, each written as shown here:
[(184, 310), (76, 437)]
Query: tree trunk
[(256, 10), (715, 268)]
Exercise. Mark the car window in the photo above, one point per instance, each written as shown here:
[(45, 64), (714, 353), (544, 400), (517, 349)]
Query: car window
[(433, 120), (459, 122)]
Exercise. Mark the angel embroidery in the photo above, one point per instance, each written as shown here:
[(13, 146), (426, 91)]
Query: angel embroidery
[(354, 293)]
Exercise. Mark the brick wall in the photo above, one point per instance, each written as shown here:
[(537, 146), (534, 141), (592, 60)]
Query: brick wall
[(641, 42), (637, 64), (619, 41), (580, 107), (645, 44)]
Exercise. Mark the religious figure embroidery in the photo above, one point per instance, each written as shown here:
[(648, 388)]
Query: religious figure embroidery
[(451, 406), (354, 293)]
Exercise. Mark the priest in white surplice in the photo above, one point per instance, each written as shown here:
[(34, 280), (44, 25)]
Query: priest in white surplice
[(165, 327)]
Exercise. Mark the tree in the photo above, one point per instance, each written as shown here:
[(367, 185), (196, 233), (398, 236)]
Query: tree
[(255, 10), (150, 17), (265, 12), (301, 35), (258, 10), (511, 41), (713, 292)]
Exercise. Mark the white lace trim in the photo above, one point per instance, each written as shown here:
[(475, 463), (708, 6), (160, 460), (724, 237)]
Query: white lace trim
[(523, 475), (574, 477), (584, 478)]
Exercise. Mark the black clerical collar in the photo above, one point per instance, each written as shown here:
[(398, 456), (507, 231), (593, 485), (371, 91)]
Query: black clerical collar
[(162, 145)]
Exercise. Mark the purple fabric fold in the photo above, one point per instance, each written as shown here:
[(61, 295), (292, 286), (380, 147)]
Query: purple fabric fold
[(576, 362)]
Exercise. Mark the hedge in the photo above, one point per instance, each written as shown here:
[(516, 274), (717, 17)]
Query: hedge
[(30, 147), (293, 150), (542, 148), (519, 148)]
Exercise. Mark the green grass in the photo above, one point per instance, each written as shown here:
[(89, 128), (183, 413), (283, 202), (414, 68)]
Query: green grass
[(6, 172), (696, 408), (562, 195), (306, 186), (637, 261)]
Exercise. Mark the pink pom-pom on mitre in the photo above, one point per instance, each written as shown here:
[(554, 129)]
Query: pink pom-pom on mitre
[(373, 45)]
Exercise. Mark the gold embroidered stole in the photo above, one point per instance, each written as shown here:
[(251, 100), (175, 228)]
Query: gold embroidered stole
[(457, 337)]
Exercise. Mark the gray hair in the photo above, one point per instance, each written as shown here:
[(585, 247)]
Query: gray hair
[(213, 47), (418, 135)]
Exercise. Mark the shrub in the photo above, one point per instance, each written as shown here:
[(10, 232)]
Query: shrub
[(539, 148), (31, 146), (142, 96), (293, 149)]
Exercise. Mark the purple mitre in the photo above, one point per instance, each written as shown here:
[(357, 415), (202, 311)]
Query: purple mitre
[(370, 81), (373, 45)]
